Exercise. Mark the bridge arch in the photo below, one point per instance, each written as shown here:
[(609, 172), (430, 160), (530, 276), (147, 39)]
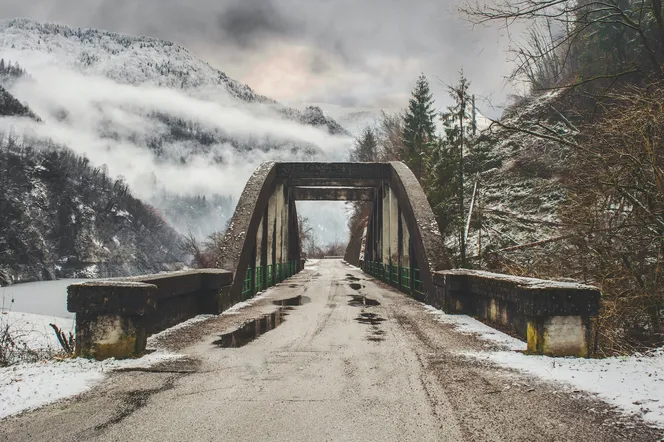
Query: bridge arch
[(401, 242)]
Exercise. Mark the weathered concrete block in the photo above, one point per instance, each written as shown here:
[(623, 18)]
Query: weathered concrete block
[(115, 316), (110, 336), (559, 336), (553, 317), (111, 317)]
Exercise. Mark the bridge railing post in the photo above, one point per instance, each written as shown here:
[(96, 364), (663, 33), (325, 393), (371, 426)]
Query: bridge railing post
[(247, 285)]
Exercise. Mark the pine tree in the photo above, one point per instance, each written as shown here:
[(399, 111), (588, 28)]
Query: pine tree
[(419, 129), (460, 127), (366, 147)]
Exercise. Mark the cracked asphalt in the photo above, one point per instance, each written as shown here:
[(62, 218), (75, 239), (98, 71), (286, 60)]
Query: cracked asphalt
[(338, 356)]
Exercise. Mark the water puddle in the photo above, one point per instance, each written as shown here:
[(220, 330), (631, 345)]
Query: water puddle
[(362, 301), (355, 286), (297, 300), (369, 318), (376, 334), (350, 277), (253, 329)]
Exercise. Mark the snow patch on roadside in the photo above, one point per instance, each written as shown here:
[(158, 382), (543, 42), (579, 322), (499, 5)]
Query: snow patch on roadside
[(28, 386), (635, 384), (33, 332), (235, 309), (352, 267), (466, 324)]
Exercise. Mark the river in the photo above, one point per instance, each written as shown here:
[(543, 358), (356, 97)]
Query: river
[(47, 298)]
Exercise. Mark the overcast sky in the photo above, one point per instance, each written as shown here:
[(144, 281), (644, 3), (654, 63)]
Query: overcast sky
[(352, 53)]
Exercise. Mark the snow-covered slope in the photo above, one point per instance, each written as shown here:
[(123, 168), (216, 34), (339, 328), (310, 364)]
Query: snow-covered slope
[(520, 188), (179, 131), (133, 60)]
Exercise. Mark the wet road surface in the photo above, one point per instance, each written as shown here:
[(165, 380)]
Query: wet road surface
[(330, 354)]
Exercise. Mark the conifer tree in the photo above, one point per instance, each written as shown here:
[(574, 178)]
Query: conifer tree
[(366, 147), (419, 129), (460, 126)]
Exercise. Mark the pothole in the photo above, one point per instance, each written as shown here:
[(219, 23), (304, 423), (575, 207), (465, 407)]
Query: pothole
[(350, 277), (297, 300), (369, 318), (355, 286), (362, 301), (251, 330)]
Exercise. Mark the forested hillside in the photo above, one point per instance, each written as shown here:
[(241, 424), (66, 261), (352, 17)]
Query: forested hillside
[(569, 182), (61, 217)]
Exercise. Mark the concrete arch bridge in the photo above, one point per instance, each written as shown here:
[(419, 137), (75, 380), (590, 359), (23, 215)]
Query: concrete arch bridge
[(400, 246), (401, 243)]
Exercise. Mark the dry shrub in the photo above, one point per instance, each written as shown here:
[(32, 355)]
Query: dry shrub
[(613, 222)]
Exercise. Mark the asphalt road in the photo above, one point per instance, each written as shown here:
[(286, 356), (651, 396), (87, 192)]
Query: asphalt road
[(340, 357)]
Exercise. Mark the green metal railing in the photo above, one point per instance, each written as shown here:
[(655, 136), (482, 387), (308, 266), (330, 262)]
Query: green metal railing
[(270, 276), (405, 279), (394, 275), (247, 284), (259, 278)]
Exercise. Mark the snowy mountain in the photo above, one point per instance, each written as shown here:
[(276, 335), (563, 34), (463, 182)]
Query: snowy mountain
[(134, 60), (181, 133)]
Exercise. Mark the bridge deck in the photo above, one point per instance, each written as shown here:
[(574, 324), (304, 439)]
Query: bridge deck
[(355, 361)]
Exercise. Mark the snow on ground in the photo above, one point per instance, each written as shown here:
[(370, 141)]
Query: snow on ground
[(635, 384), (466, 324), (28, 385), (32, 332), (311, 264)]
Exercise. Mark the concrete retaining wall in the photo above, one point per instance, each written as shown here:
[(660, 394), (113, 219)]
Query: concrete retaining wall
[(553, 317), (114, 317)]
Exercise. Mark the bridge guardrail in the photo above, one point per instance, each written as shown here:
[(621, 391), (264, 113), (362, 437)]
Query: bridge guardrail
[(553, 317), (115, 316)]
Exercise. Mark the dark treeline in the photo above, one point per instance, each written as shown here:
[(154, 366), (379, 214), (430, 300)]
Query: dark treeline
[(59, 216)]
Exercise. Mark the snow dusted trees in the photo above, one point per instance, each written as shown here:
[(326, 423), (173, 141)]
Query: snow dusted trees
[(59, 214), (365, 149), (419, 132), (581, 41)]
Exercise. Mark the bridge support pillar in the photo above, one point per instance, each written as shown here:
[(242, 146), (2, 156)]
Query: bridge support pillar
[(385, 225)]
